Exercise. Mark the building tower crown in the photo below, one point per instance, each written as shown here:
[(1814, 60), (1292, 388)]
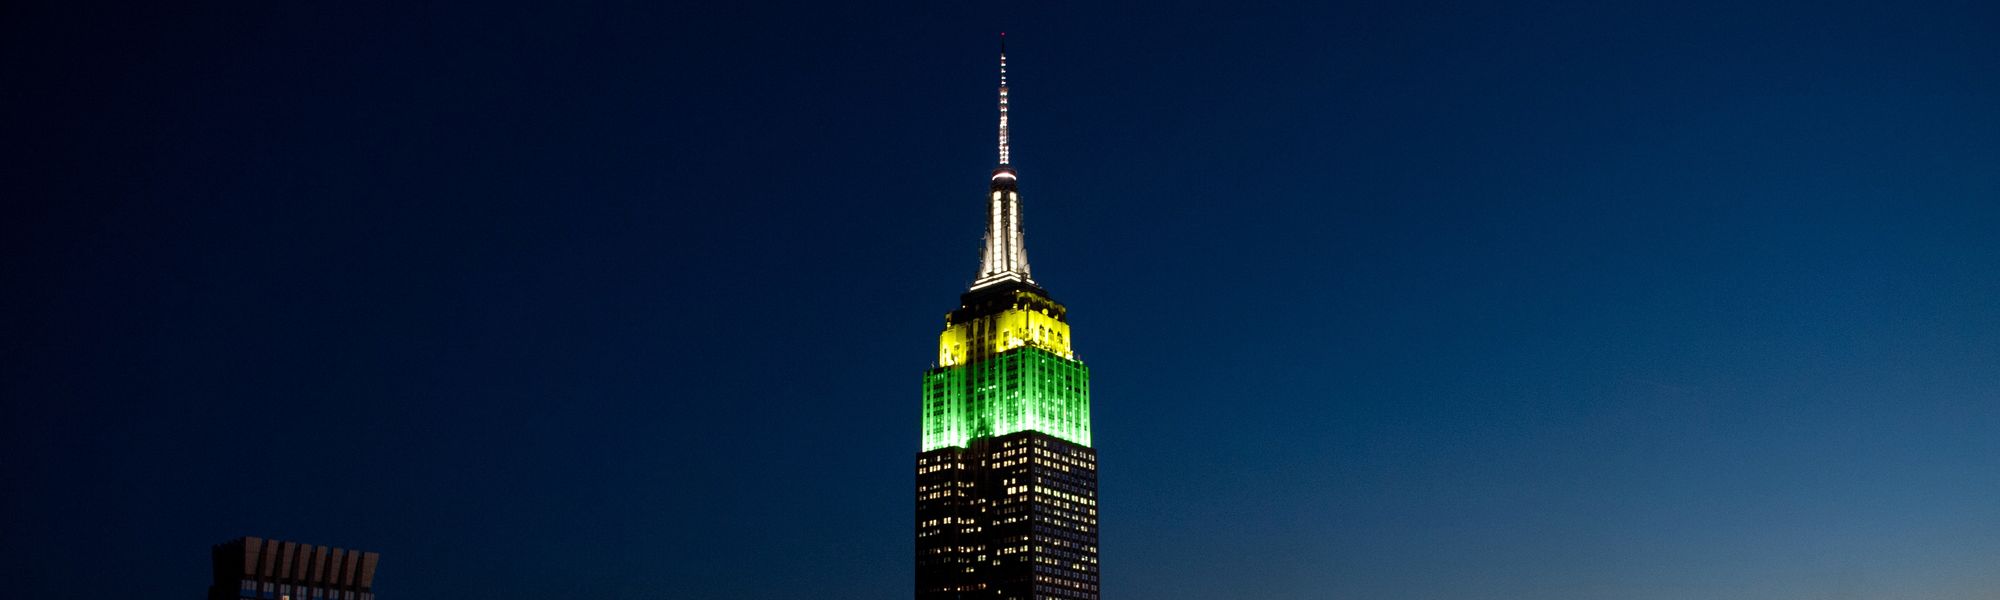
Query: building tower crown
[(1003, 258)]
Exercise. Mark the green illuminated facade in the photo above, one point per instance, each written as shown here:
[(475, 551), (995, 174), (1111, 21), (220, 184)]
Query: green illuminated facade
[(1027, 389), (1006, 481)]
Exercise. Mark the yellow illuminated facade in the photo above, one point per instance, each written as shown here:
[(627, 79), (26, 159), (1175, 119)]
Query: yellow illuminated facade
[(1023, 325)]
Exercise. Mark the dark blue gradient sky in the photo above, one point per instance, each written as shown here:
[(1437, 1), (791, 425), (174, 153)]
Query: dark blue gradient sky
[(1410, 300)]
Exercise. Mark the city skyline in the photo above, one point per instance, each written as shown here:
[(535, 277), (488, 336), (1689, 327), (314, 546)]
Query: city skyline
[(254, 568), (1412, 301)]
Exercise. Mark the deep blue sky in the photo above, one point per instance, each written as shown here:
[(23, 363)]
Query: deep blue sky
[(1410, 300)]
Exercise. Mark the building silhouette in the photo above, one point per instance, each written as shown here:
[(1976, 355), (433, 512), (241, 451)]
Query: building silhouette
[(277, 570), (1006, 479)]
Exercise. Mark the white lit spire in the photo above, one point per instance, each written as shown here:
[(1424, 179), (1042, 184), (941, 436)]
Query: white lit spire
[(1004, 257), (1003, 98)]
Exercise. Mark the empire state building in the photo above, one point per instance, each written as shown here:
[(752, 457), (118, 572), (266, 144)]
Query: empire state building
[(1006, 478)]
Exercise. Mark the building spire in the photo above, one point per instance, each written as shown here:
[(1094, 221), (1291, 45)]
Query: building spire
[(1003, 99), (1004, 258)]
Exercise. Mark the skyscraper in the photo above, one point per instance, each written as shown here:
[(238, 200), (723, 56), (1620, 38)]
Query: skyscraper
[(1006, 479), (275, 570)]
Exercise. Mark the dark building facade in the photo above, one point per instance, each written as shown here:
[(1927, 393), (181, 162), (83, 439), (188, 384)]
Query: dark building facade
[(1007, 478), (277, 570)]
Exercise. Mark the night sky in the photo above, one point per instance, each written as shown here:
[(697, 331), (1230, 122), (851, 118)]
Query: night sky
[(1411, 300)]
